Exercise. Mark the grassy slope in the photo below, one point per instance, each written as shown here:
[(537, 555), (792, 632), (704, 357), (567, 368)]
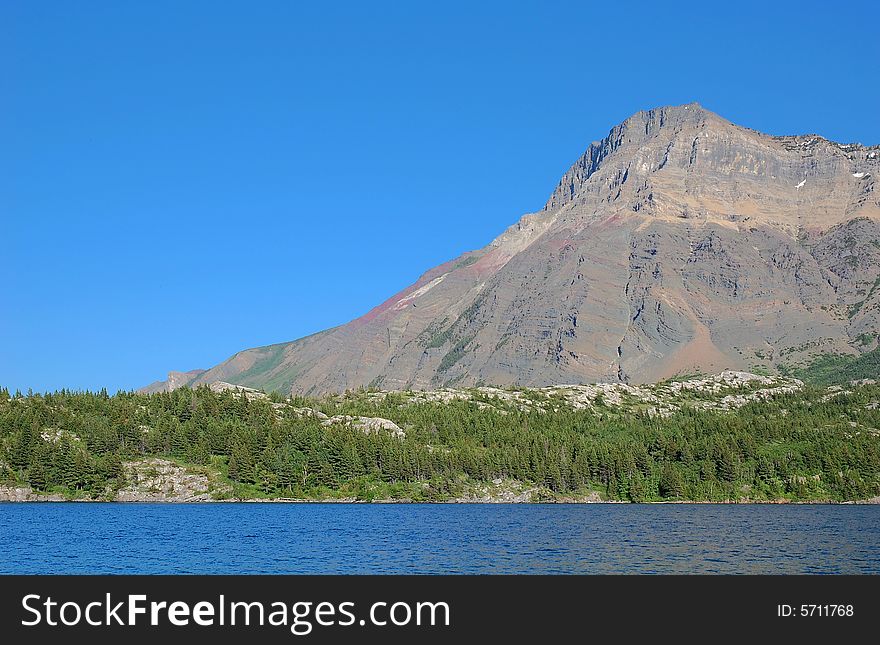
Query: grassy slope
[(838, 369)]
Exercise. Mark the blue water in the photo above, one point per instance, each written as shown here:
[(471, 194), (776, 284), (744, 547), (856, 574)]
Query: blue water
[(401, 538)]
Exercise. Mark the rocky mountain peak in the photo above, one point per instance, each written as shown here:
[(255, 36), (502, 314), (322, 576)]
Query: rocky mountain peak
[(659, 127), (687, 162), (679, 242)]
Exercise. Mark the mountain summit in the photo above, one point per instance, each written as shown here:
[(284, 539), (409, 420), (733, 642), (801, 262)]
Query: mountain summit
[(680, 242)]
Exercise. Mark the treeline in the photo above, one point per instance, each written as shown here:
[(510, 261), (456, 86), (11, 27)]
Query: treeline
[(798, 446)]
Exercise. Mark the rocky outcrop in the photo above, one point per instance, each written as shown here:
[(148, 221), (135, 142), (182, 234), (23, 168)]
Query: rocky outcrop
[(722, 392), (160, 480), (26, 494), (511, 491), (281, 408), (240, 390), (147, 480), (369, 425), (305, 412), (678, 243)]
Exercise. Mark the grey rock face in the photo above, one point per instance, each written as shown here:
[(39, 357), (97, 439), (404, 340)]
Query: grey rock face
[(680, 242), (175, 380), (159, 480)]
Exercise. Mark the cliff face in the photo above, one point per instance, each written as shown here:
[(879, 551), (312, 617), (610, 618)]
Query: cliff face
[(680, 242)]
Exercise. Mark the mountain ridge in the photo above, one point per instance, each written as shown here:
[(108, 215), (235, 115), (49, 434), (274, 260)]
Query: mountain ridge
[(680, 241)]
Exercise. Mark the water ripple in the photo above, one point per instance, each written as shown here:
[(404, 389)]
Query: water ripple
[(526, 538)]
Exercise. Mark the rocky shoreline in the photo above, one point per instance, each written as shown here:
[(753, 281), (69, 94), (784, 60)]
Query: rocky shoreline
[(162, 481), (9, 494)]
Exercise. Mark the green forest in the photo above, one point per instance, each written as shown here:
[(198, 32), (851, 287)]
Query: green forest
[(797, 446)]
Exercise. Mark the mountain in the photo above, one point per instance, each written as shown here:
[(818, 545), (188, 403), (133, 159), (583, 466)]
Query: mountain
[(678, 243)]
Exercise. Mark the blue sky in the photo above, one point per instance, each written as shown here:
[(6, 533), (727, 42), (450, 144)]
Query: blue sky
[(182, 180)]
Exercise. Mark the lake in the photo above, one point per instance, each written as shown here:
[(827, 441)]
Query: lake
[(47, 538)]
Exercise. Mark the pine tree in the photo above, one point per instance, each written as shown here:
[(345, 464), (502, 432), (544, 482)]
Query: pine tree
[(232, 467), (727, 464), (671, 484), (637, 489), (37, 476)]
